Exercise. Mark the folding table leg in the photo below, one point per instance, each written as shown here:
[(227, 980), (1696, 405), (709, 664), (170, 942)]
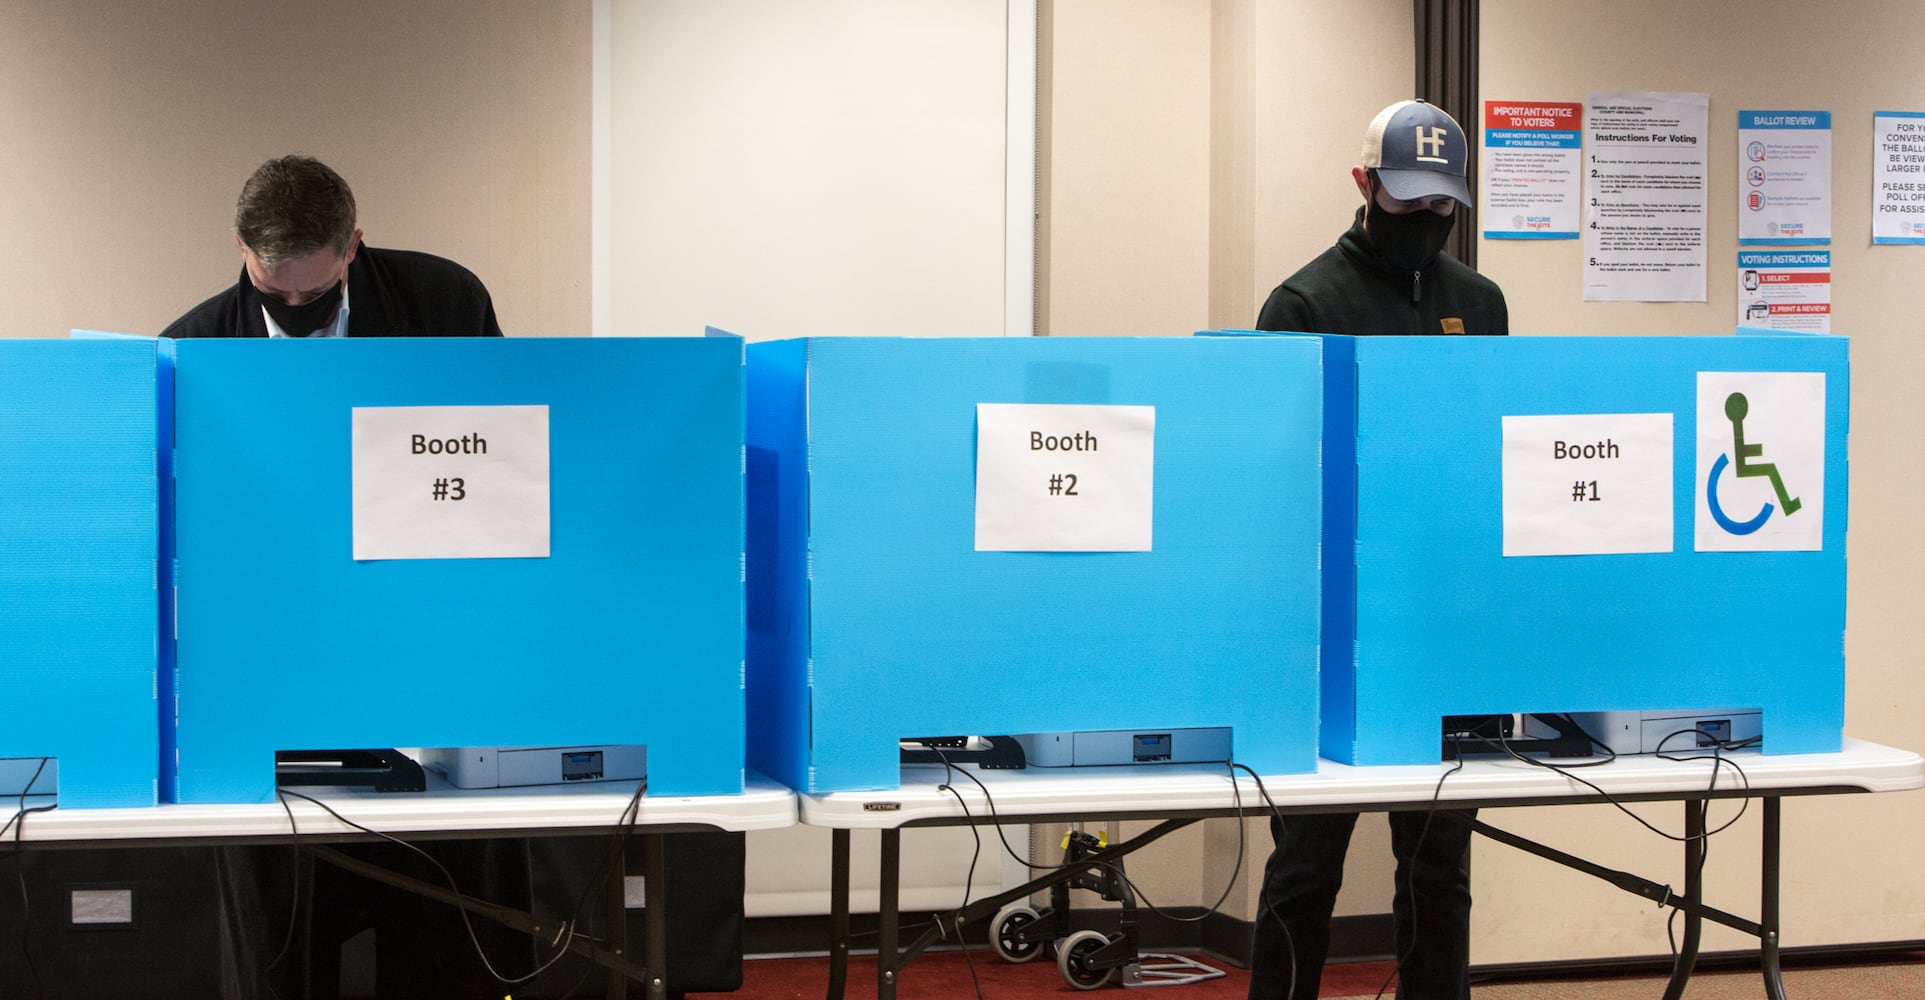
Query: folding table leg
[(1768, 905), (1693, 894), (655, 919), (886, 949), (615, 911), (838, 912)]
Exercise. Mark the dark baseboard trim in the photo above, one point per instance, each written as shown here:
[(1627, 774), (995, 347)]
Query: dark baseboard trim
[(1185, 928), (1647, 964), (1365, 937)]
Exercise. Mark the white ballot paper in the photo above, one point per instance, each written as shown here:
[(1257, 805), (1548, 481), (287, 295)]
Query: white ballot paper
[(450, 482), (1064, 478)]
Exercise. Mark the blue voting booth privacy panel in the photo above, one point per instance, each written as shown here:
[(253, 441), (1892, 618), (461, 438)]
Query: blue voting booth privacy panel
[(630, 631), (1443, 623), (873, 618), (82, 424)]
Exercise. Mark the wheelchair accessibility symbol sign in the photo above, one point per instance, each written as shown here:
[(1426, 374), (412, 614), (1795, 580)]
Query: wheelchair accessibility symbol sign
[(1761, 462)]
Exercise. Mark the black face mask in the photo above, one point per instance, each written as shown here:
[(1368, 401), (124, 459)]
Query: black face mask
[(1410, 241), (301, 320)]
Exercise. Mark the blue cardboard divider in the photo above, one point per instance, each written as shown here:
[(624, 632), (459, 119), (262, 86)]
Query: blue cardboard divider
[(83, 426), (630, 631), (873, 618), (1427, 617)]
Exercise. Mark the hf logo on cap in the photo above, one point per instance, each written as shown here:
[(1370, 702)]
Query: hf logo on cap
[(1418, 151), (1430, 144)]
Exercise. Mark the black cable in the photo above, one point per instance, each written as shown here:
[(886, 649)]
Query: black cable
[(1289, 940), (1718, 760), (1567, 767), (630, 815), (18, 823), (1410, 877), (969, 880), (21, 810), (294, 897), (1236, 867)]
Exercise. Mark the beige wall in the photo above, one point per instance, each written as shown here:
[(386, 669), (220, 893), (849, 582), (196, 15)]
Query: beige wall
[(785, 169), (1852, 868), (461, 124), (1129, 167), (1289, 85), (1200, 151)]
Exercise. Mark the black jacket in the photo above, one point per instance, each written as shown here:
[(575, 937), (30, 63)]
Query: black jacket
[(1349, 289), (391, 293)]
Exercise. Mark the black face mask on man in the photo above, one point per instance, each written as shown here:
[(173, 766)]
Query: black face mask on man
[(304, 319), (1410, 241)]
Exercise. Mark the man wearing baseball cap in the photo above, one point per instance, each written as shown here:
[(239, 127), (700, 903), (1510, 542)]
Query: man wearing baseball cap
[(1386, 275)]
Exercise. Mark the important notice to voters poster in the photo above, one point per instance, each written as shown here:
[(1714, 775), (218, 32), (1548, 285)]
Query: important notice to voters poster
[(1784, 178), (1644, 206), (1785, 289), (1531, 187), (1898, 181)]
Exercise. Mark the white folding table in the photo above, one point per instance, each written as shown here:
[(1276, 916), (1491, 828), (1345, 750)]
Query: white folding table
[(1182, 794)]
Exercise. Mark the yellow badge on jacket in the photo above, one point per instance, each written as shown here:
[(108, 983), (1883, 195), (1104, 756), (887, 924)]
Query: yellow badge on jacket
[(1452, 324)]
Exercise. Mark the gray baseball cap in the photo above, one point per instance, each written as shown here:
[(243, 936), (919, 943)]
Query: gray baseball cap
[(1418, 151)]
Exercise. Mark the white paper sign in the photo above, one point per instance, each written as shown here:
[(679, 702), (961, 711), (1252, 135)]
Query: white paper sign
[(1761, 462), (1587, 484), (1898, 177), (1644, 206), (450, 482), (1064, 478)]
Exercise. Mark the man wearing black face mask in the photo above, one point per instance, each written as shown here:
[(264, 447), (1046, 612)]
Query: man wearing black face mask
[(306, 273), (1386, 275)]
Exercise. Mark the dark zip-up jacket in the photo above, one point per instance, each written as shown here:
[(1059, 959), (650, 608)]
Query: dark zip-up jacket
[(391, 293), (1350, 289)]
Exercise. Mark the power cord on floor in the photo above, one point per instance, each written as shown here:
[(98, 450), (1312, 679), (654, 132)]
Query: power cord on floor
[(969, 880), (570, 931)]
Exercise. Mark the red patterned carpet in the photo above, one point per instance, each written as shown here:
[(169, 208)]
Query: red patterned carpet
[(947, 975), (952, 976)]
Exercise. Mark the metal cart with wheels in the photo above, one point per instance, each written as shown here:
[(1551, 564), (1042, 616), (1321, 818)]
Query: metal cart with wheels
[(1088, 959)]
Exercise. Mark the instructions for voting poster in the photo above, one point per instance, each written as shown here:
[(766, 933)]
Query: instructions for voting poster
[(1587, 484), (1785, 289), (1898, 177), (450, 482), (1532, 158), (1644, 203), (1784, 178), (1064, 478)]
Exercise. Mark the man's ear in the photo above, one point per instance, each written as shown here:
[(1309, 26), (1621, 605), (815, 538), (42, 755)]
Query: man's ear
[(1362, 176)]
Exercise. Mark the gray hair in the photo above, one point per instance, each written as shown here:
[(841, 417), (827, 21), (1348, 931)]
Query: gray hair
[(293, 206)]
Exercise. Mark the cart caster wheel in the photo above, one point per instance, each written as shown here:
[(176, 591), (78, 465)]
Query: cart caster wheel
[(1002, 933), (1072, 960)]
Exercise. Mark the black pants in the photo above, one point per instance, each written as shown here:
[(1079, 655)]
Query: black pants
[(1432, 905)]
